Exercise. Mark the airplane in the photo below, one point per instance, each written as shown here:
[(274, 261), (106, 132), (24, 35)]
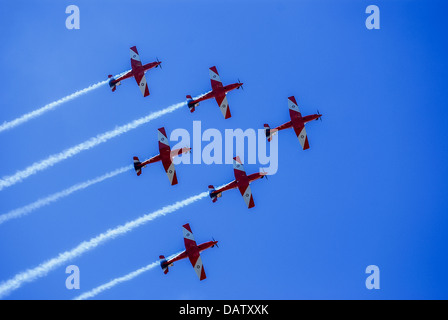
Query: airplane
[(192, 252), (138, 72), (297, 123), (218, 92), (166, 155), (241, 182)]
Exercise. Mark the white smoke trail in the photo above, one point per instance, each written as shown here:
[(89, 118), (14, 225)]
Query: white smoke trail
[(109, 285), (44, 268), (86, 145), (20, 212), (92, 293), (51, 106)]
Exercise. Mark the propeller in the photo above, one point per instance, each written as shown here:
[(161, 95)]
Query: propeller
[(320, 118), (241, 86), (160, 64), (215, 244), (265, 176)]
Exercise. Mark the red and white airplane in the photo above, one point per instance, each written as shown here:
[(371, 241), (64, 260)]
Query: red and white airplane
[(166, 156), (138, 72), (297, 123), (241, 182), (192, 252), (218, 92)]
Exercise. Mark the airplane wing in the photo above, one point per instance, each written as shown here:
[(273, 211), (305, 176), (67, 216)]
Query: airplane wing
[(168, 165), (142, 84), (135, 58), (299, 129), (223, 105), (293, 108), (165, 154), (214, 78), (243, 182), (301, 134), (193, 252), (163, 139), (196, 262), (138, 71)]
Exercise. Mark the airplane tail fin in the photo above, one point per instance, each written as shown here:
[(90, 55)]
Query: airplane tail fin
[(137, 166), (164, 264), (213, 194), (113, 83), (267, 131), (191, 104)]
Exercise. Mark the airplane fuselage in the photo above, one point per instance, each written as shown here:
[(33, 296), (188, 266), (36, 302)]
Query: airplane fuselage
[(131, 73), (150, 160), (191, 250), (163, 153), (216, 92), (298, 122), (234, 184)]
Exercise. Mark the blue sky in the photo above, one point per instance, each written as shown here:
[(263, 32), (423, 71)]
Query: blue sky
[(371, 189)]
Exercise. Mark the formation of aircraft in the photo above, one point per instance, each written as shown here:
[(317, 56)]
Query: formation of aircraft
[(165, 155), (219, 92), (297, 123), (242, 182), (137, 71), (192, 252)]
